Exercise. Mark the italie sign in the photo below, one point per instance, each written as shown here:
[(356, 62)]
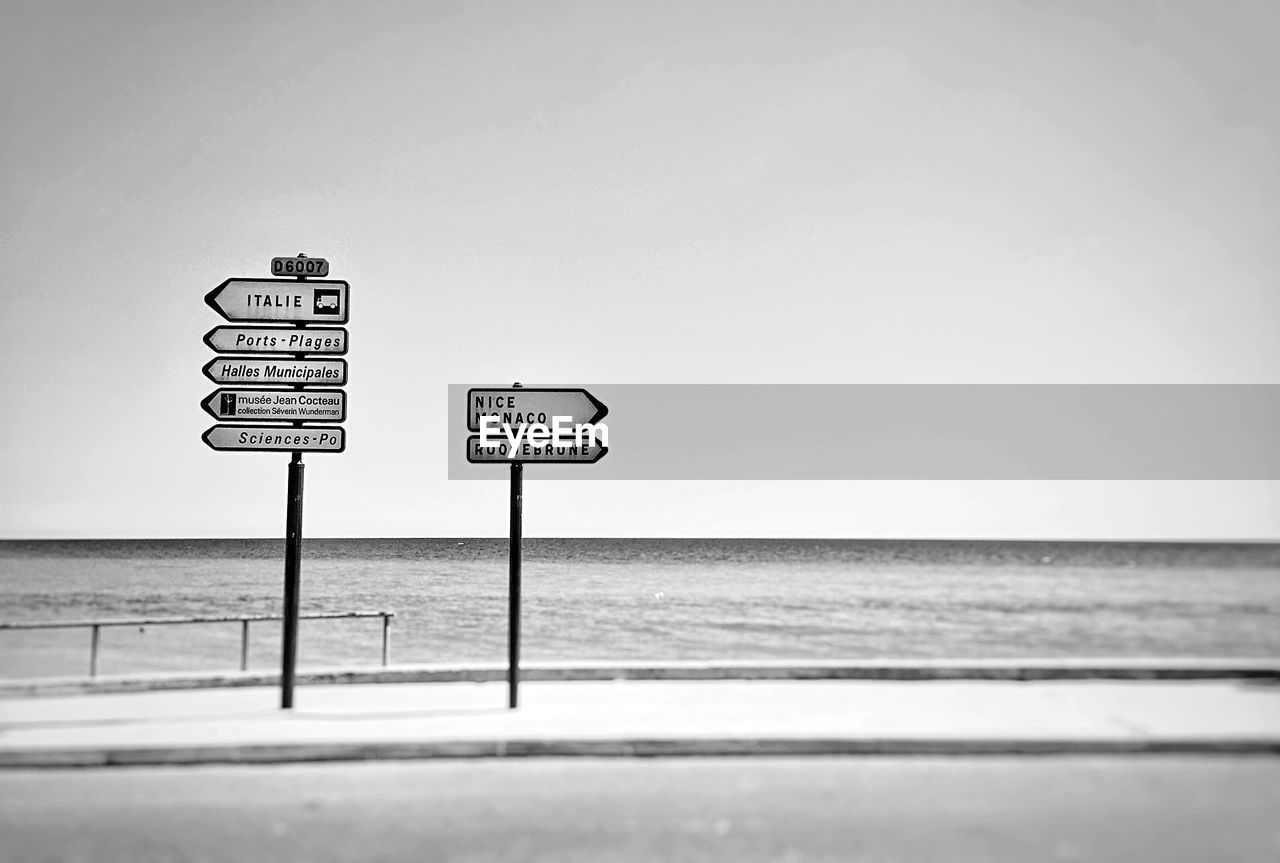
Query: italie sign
[(280, 301), (303, 351)]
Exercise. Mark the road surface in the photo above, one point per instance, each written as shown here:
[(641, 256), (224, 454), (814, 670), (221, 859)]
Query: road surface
[(786, 809)]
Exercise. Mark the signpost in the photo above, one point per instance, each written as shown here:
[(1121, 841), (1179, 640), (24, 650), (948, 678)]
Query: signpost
[(252, 412), (517, 411), (277, 340)]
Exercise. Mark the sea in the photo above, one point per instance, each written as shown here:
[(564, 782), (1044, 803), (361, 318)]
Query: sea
[(638, 599)]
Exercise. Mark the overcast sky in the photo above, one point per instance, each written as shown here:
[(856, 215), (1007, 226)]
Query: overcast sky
[(685, 192)]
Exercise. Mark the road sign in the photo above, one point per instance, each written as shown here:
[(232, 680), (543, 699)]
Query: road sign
[(276, 438), (518, 406), (495, 452), (310, 302), (277, 340), (325, 406), (299, 266), (263, 370)]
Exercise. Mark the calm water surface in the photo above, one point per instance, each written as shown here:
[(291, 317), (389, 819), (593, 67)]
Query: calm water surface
[(644, 599)]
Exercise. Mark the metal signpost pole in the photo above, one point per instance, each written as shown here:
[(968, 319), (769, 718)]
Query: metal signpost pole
[(292, 581), (292, 573), (574, 405), (513, 585)]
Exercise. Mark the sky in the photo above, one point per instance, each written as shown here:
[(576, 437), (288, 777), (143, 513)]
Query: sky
[(626, 193)]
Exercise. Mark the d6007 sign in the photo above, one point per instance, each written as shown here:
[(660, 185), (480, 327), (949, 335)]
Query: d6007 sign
[(317, 267)]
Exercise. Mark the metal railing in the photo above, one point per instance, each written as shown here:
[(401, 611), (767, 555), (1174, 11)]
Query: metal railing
[(244, 620)]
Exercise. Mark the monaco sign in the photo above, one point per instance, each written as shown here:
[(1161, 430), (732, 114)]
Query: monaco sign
[(520, 406)]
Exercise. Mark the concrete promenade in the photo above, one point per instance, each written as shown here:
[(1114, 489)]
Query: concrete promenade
[(629, 717)]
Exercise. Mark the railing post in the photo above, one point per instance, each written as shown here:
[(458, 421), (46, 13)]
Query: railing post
[(95, 628), (93, 651), (244, 644)]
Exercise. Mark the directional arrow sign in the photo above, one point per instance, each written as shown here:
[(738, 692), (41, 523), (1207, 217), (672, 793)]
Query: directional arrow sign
[(275, 405), (259, 370), (276, 438), (277, 340), (516, 407), (310, 302), (496, 451)]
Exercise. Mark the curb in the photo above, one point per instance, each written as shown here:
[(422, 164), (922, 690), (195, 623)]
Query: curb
[(622, 748), (1258, 670)]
